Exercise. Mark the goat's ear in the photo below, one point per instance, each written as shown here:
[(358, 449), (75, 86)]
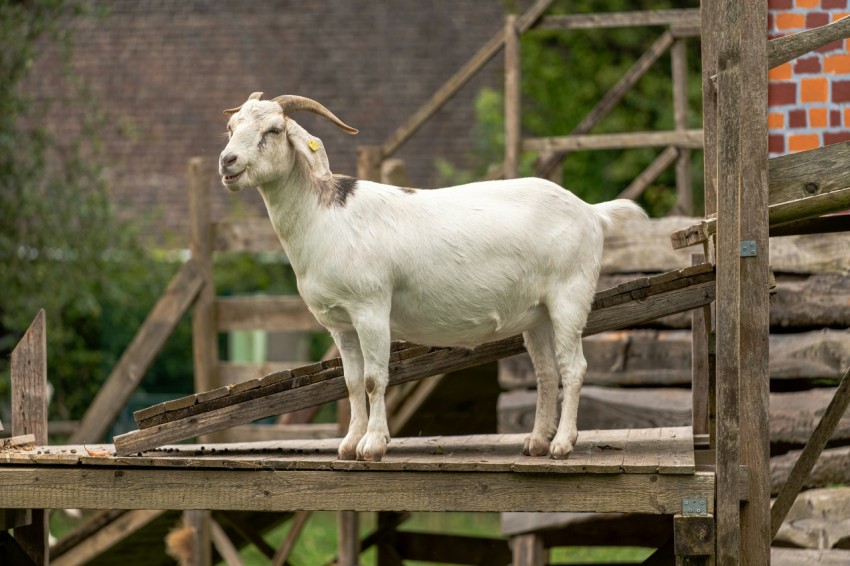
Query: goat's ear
[(310, 149), (254, 96)]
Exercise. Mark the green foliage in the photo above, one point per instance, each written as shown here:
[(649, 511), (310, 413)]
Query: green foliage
[(62, 248), (564, 75)]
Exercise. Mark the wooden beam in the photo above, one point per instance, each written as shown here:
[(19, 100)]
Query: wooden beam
[(687, 139), (163, 488), (513, 99), (729, 145), (201, 523), (679, 63), (29, 417), (140, 354), (783, 49), (808, 173), (709, 22), (547, 163), (823, 432), (680, 18), (648, 175), (458, 80)]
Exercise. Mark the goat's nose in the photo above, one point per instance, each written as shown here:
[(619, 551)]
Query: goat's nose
[(229, 159)]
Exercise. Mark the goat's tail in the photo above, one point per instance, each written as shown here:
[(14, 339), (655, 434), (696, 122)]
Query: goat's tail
[(615, 212)]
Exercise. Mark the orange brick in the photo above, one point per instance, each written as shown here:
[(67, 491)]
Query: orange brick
[(837, 64), (838, 15), (847, 115), (808, 3), (776, 120), (780, 73), (817, 118), (803, 142), (787, 20), (814, 90)]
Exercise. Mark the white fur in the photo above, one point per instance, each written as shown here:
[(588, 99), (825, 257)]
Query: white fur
[(459, 266)]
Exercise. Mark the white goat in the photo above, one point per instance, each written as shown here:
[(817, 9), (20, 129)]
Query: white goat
[(459, 266)]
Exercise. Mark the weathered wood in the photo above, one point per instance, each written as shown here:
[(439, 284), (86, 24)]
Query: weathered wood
[(29, 417), (528, 550), (130, 487), (547, 164), (682, 18), (709, 23), (648, 175), (700, 329), (796, 557), (513, 99), (688, 139), (693, 535), (822, 225), (819, 519), (201, 523), (139, 355), (204, 330), (348, 539), (807, 173), (460, 78), (821, 435), (282, 313), (18, 441), (783, 49)]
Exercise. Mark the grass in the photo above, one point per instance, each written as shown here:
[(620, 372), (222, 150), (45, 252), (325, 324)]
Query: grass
[(317, 544)]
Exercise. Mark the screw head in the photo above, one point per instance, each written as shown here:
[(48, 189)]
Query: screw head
[(811, 187)]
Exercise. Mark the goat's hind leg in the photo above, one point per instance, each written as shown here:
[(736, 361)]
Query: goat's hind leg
[(541, 349), (352, 365)]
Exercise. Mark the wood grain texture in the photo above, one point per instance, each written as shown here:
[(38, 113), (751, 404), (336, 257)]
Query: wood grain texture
[(807, 173), (783, 49), (831, 468), (688, 138), (682, 18), (105, 488)]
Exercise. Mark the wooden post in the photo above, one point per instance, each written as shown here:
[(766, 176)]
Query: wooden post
[(528, 550), (348, 543), (708, 51), (754, 283), (513, 99), (729, 86), (204, 334), (369, 158), (699, 363), (201, 523), (29, 416), (684, 191)]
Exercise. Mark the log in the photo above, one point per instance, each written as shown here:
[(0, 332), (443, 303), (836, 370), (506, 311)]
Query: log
[(830, 469), (794, 557), (819, 519)]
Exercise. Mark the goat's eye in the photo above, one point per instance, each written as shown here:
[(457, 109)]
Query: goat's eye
[(273, 131)]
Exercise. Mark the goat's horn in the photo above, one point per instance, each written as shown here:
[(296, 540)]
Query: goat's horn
[(254, 96), (291, 103)]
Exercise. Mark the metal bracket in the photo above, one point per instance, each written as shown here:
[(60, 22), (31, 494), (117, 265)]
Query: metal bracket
[(748, 248), (694, 506)]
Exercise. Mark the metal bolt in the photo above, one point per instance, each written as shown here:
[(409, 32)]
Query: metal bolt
[(811, 187)]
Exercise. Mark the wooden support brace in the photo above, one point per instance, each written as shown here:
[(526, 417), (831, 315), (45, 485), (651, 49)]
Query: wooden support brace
[(298, 521), (528, 550), (693, 536), (225, 547)]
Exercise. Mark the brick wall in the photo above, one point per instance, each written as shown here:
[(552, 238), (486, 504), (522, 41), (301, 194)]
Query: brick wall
[(809, 96)]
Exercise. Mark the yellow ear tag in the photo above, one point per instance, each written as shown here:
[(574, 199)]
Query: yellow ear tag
[(313, 144)]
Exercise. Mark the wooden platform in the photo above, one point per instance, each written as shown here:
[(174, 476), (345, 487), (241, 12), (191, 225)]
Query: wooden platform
[(636, 470)]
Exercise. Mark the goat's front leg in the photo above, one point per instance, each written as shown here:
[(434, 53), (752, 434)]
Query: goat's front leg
[(373, 329), (352, 364)]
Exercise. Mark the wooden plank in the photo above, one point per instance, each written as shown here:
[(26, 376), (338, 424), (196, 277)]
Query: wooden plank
[(528, 550), (284, 313), (458, 80), (688, 139), (754, 394), (709, 24), (547, 164), (822, 225), (204, 330), (246, 235), (513, 99), (700, 328), (348, 538), (82, 487), (139, 355), (783, 49), (808, 173), (823, 432), (682, 18), (29, 417)]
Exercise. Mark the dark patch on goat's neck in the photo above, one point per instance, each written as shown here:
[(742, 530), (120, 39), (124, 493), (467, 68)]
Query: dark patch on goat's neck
[(334, 191), (407, 190)]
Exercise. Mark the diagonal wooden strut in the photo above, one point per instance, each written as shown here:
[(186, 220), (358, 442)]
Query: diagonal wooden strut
[(630, 303)]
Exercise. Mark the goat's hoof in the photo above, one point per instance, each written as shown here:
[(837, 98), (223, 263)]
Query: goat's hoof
[(560, 451), (372, 447), (348, 448), (535, 446)]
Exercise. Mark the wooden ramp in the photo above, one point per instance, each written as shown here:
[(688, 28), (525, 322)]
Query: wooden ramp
[(640, 300), (634, 470)]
